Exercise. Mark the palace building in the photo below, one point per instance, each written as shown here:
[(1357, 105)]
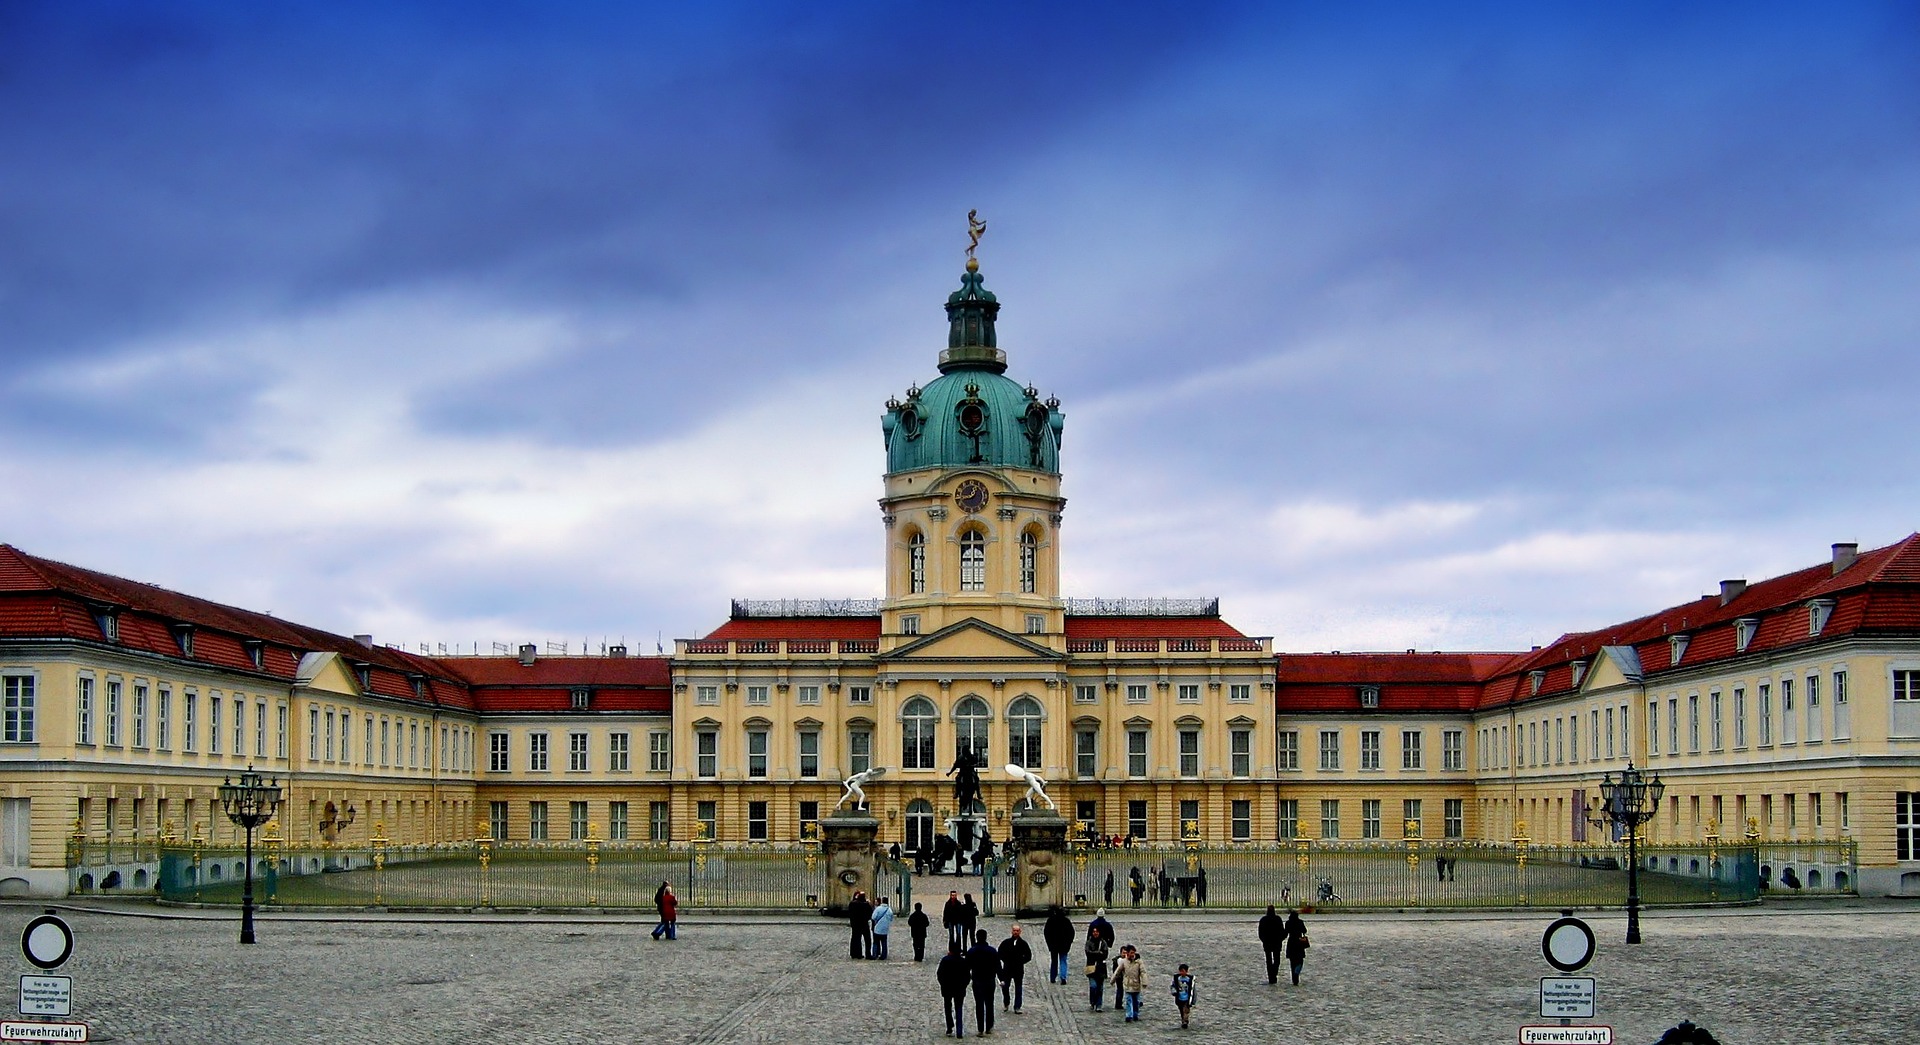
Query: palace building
[(1789, 707)]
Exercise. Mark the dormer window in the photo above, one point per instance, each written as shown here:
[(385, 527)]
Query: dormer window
[(419, 685), (1676, 648), (1534, 679), (910, 624), (183, 634), (1817, 613), (108, 619), (1744, 630), (581, 699), (1369, 696), (256, 652), (1579, 669), (364, 673)]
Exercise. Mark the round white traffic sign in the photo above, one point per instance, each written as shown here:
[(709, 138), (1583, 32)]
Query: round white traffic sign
[(47, 942), (1568, 944)]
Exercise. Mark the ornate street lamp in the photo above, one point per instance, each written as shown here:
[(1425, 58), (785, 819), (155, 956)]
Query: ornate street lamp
[(1627, 803), (249, 804)]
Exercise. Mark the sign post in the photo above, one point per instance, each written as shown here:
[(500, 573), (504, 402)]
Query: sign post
[(1568, 946), (47, 942)]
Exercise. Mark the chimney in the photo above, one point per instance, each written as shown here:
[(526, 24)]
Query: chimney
[(1730, 590), (527, 653), (1844, 554), (364, 640), (616, 651)]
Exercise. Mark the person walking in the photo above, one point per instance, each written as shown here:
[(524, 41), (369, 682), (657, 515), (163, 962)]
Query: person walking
[(1200, 886), (1132, 974), (1183, 995), (1015, 953), (952, 918), (1136, 885), (969, 917), (953, 978), (1119, 982), (1109, 888), (983, 964), (669, 907), (882, 925), (1296, 944), (860, 920), (1102, 926), (1097, 950), (1059, 937), (1273, 940), (917, 923)]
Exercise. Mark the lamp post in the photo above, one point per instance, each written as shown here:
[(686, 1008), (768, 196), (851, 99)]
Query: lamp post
[(249, 804), (1627, 803)]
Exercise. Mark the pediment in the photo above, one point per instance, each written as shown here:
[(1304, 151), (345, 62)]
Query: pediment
[(973, 639)]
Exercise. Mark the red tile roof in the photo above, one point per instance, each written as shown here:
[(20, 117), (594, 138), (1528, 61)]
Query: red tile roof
[(1408, 682), (798, 628), (1150, 628)]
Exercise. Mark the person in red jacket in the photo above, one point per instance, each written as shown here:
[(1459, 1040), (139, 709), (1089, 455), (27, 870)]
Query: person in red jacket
[(669, 906)]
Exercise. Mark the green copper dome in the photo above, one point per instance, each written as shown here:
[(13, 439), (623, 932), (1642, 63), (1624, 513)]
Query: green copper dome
[(972, 414)]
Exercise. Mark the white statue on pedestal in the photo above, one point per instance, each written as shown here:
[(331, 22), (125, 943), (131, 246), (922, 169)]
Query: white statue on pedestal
[(1036, 787), (854, 790)]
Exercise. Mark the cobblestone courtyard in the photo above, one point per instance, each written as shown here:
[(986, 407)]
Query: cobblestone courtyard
[(1799, 973)]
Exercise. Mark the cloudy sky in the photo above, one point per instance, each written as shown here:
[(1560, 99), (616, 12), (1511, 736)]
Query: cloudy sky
[(1439, 327)]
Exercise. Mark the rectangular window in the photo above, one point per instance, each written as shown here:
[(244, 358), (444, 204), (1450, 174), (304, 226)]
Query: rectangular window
[(1369, 749), (1906, 824), (707, 813), (1329, 749), (859, 694), (1453, 749), (1842, 711), (1456, 824), (163, 718), (1789, 728), (537, 753), (1626, 740), (537, 821), (18, 692), (1609, 732), (1410, 749), (809, 694), (577, 821), (498, 750), (1136, 693), (756, 821), (189, 720), (497, 820), (259, 725), (706, 694), (577, 752), (1190, 753), (213, 721), (809, 754), (280, 731), (1653, 726), (1739, 717), (1240, 752), (83, 710), (1242, 820), (1085, 694), (1817, 810), (1594, 720), (1137, 817), (1189, 693), (616, 821), (1085, 754), (1815, 727), (1287, 749), (757, 695), (619, 752), (1330, 818), (1559, 741), (1240, 692), (1410, 823), (386, 734), (239, 726), (140, 700), (659, 822), (1370, 818), (1189, 817), (1714, 732), (313, 730), (1766, 715), (329, 731), (659, 751), (1288, 827), (1036, 623), (1846, 812), (113, 716), (859, 750), (1137, 753), (706, 751)]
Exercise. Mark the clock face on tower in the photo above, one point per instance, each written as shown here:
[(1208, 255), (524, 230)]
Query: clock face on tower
[(971, 496)]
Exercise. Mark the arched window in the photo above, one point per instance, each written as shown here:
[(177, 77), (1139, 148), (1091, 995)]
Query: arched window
[(1023, 733), (1029, 562), (973, 560), (970, 722), (917, 720), (917, 562)]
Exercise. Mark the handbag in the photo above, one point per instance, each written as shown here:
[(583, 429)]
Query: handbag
[(1093, 969)]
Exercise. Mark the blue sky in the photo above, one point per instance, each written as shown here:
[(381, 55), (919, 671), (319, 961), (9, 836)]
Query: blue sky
[(1446, 326)]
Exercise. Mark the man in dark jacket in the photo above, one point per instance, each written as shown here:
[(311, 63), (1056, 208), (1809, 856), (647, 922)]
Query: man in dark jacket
[(954, 977), (1273, 940), (917, 923), (1059, 937), (1014, 956), (954, 918), (860, 920), (983, 964)]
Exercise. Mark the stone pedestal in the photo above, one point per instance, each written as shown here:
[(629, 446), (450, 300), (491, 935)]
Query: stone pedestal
[(1040, 839), (847, 838)]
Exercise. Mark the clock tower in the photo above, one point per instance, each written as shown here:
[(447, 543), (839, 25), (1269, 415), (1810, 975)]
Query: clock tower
[(972, 505)]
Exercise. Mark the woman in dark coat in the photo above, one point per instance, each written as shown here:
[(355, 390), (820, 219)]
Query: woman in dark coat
[(1097, 948), (1137, 885), (1059, 936), (1296, 944)]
